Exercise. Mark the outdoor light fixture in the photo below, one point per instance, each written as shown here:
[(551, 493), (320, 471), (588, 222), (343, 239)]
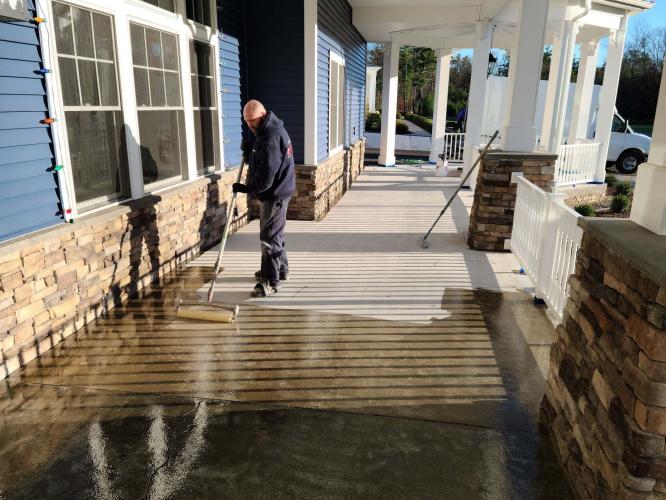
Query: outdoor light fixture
[(12, 10)]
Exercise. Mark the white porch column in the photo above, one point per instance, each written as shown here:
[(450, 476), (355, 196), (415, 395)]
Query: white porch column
[(310, 77), (551, 89), (564, 83), (441, 101), (477, 97), (389, 104), (371, 88), (649, 205), (580, 115), (526, 60), (559, 79), (608, 96)]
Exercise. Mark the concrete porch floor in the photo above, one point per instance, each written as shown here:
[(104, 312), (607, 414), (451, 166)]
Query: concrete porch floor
[(380, 370)]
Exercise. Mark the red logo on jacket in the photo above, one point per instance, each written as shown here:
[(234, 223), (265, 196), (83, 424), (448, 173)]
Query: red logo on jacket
[(289, 151)]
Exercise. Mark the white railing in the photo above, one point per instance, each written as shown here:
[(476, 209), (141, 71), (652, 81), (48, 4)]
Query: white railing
[(576, 163), (545, 240), (454, 146)]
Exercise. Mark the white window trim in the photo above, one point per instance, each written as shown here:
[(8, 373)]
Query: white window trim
[(187, 175), (205, 34), (124, 12), (334, 58)]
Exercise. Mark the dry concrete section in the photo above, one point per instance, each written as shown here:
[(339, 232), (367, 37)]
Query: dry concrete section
[(380, 370)]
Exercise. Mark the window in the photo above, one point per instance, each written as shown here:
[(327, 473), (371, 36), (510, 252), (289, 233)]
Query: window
[(198, 11), (165, 4), (336, 104), (159, 103), (88, 75), (205, 107), (619, 125)]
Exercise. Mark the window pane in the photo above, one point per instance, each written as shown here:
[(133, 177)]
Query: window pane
[(154, 46), (196, 101), (618, 125), (205, 128), (341, 107), (83, 33), (333, 119), (172, 82), (161, 144), (69, 81), (199, 11), (88, 81), (165, 4), (103, 37), (205, 19), (204, 100), (97, 154), (203, 55), (189, 9), (141, 87), (157, 96), (63, 28), (138, 45), (107, 84), (170, 48)]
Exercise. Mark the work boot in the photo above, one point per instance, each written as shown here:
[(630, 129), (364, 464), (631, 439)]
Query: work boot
[(284, 275), (263, 289)]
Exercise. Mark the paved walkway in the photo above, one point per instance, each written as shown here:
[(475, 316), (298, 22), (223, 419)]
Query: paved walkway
[(379, 370), (414, 129)]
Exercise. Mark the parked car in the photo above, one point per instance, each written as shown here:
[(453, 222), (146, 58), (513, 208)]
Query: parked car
[(627, 148)]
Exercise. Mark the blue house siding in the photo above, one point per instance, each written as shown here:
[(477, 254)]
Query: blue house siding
[(275, 62), (28, 188), (232, 77), (337, 34)]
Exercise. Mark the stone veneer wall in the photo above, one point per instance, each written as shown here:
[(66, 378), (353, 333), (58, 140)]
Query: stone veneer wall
[(491, 220), (320, 187), (55, 281), (605, 399)]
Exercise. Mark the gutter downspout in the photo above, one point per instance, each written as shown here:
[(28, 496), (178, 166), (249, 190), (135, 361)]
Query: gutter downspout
[(586, 11)]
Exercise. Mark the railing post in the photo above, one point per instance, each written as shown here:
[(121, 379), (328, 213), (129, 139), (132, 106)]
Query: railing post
[(547, 244)]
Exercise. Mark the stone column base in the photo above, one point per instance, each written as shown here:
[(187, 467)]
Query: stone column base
[(491, 221), (605, 401)]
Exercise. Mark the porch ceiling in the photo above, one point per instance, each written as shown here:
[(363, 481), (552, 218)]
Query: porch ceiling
[(451, 23)]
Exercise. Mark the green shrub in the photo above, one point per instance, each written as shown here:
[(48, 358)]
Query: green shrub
[(401, 128), (373, 122), (421, 121), (586, 210), (620, 203), (611, 180), (624, 187)]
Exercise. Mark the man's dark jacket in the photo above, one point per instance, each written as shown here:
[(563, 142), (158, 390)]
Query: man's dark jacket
[(271, 175)]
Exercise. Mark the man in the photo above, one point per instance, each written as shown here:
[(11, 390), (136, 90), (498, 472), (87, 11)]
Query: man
[(460, 119), (272, 180)]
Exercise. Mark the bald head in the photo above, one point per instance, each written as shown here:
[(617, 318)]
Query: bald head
[(253, 114)]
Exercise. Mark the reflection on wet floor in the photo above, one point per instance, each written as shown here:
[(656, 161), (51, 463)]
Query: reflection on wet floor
[(100, 445), (310, 359), (427, 386)]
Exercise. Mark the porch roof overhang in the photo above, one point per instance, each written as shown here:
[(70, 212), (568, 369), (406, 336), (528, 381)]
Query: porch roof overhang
[(450, 24)]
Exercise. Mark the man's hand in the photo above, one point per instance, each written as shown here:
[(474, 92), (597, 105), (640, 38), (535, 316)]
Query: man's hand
[(237, 187)]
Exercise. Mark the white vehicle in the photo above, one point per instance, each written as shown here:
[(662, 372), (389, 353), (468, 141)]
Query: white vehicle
[(627, 148)]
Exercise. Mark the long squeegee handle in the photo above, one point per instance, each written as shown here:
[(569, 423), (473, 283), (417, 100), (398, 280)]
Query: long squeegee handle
[(462, 183), (225, 233)]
